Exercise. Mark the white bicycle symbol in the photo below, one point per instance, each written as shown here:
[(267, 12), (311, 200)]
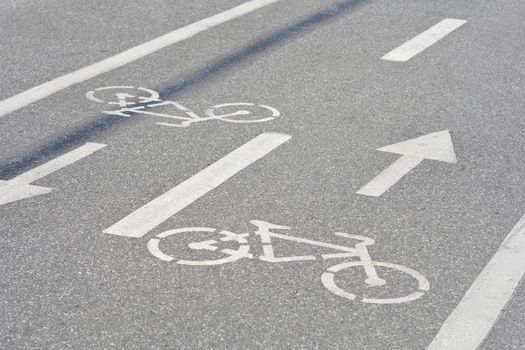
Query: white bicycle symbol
[(328, 278), (140, 100)]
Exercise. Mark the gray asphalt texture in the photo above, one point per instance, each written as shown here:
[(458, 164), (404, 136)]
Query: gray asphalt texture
[(65, 284)]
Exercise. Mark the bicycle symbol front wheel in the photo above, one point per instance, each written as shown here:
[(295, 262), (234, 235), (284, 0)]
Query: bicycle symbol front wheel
[(241, 112), (328, 280)]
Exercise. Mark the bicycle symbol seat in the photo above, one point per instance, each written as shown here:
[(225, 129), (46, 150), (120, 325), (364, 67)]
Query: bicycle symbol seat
[(265, 232), (132, 100)]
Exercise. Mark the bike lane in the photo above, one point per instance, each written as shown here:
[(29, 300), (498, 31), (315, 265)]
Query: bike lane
[(336, 113)]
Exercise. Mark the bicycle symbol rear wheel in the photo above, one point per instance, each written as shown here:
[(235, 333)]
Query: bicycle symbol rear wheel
[(222, 256), (328, 280)]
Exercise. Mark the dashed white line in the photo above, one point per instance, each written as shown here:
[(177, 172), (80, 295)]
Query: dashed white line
[(424, 40), (41, 91), (146, 218), (471, 321)]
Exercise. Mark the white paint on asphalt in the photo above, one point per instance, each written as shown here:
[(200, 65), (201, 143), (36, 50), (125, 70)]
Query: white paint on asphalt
[(390, 176), (424, 40), (471, 321), (58, 163), (436, 146), (265, 231), (153, 244), (44, 90), (136, 103), (144, 219), (19, 187), (328, 280)]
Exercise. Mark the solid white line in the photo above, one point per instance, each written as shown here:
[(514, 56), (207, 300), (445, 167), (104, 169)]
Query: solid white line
[(390, 176), (146, 218), (424, 40), (41, 91), (57, 163), (471, 321)]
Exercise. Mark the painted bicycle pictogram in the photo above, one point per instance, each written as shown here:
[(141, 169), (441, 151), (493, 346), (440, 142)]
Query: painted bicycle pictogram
[(328, 278), (138, 100)]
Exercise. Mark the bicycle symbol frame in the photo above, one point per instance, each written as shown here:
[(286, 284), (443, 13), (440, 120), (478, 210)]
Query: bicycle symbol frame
[(136, 104), (264, 232)]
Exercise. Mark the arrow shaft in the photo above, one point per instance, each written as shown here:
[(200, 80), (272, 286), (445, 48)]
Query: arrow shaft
[(388, 177), (57, 163)]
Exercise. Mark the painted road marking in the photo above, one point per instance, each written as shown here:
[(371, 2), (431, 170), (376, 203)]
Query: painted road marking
[(19, 187), (424, 40), (44, 90), (471, 321), (135, 103), (436, 146), (146, 218), (265, 231)]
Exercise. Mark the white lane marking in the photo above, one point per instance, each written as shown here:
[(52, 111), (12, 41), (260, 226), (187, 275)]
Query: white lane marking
[(19, 187), (471, 321), (144, 219), (41, 91), (436, 146), (424, 40)]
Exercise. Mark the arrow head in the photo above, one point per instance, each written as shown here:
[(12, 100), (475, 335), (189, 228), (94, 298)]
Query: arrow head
[(12, 191), (436, 146)]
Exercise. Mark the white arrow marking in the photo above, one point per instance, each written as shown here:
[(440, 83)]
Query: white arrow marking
[(146, 218), (19, 187), (436, 146)]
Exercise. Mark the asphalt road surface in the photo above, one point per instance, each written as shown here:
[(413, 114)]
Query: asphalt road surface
[(265, 174)]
